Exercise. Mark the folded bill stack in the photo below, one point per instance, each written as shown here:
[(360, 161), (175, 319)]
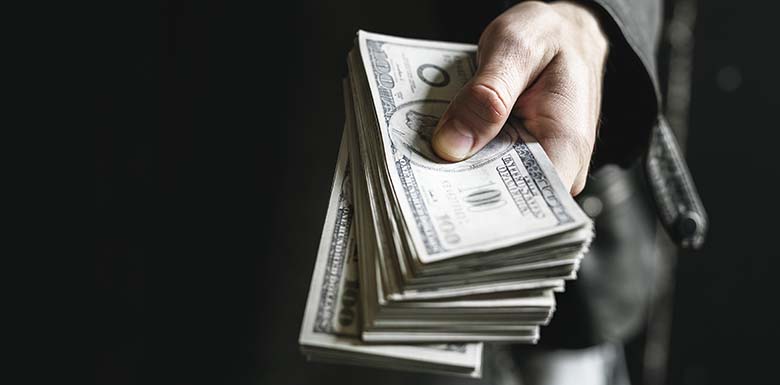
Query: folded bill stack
[(421, 260)]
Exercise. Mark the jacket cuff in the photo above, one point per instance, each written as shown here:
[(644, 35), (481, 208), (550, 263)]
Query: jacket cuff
[(631, 96)]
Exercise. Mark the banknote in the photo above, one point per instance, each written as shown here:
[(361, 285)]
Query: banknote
[(422, 259), (331, 329), (472, 316), (506, 194), (436, 235)]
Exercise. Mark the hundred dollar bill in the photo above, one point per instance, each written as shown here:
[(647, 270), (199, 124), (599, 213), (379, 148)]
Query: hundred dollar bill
[(506, 194), (330, 331)]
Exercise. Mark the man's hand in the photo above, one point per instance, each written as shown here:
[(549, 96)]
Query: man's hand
[(543, 63)]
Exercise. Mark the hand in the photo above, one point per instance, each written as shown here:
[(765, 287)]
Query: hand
[(543, 63)]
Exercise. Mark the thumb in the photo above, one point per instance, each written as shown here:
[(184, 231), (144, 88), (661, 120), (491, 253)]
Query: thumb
[(482, 106)]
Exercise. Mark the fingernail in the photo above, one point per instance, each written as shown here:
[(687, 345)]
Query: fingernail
[(453, 139)]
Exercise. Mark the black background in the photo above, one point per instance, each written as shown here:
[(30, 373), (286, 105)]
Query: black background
[(216, 137)]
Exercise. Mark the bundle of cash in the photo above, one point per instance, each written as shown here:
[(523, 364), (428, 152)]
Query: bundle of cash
[(331, 329), (421, 259)]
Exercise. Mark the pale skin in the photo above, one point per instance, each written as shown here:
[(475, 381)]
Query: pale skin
[(544, 64)]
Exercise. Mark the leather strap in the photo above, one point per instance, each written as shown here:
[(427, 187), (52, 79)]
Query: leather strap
[(676, 199)]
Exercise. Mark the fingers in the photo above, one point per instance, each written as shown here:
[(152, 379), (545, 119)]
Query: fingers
[(544, 64), (561, 110), (508, 61), (570, 154), (473, 119), (579, 182)]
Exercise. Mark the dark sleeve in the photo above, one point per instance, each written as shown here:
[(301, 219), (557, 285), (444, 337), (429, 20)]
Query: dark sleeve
[(631, 97)]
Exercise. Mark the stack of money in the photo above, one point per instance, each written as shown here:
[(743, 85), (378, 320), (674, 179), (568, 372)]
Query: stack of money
[(419, 250), (331, 329)]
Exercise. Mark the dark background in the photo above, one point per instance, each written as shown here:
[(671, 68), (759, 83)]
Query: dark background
[(217, 131)]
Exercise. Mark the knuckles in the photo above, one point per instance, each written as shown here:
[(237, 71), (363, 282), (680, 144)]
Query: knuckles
[(487, 102), (534, 29), (562, 105), (509, 38)]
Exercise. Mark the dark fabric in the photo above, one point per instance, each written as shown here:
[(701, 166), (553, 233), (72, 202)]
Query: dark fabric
[(609, 300), (640, 24), (631, 98)]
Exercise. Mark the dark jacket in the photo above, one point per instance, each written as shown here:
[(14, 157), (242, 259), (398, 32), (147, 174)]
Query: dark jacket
[(637, 176)]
